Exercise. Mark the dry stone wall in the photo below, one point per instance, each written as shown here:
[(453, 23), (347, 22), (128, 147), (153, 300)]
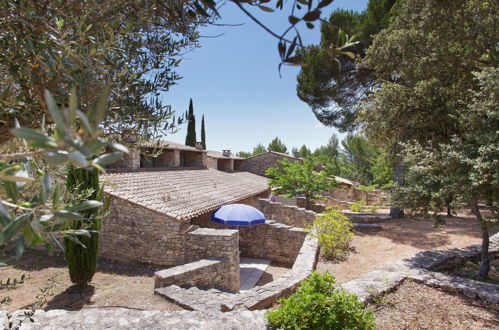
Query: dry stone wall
[(286, 214), (205, 273), (134, 233), (272, 240)]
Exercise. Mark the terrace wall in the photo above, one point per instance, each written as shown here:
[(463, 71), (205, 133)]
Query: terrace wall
[(286, 214)]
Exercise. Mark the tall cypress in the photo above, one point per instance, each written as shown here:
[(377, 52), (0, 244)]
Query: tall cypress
[(203, 134), (82, 258), (190, 139)]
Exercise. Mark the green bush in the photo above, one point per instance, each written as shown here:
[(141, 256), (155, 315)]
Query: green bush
[(334, 232), (373, 209), (318, 305), (358, 206)]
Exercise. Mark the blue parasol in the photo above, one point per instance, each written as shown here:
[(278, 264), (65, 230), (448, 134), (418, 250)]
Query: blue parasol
[(238, 215)]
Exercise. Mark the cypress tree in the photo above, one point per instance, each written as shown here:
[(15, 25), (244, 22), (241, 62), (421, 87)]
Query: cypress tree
[(190, 139), (203, 134), (82, 260)]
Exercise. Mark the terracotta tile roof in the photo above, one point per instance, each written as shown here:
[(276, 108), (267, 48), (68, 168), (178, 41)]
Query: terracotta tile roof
[(219, 154), (346, 181), (168, 145), (276, 153), (184, 194)]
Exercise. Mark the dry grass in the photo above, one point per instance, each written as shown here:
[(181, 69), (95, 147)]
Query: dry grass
[(400, 239), (417, 306), (114, 285)]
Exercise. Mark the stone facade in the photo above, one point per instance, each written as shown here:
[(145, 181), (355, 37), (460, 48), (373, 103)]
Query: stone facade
[(260, 163), (129, 161), (134, 233), (212, 162)]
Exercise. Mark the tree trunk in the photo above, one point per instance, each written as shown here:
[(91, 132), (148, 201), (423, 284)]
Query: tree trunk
[(308, 203), (484, 254), (398, 178)]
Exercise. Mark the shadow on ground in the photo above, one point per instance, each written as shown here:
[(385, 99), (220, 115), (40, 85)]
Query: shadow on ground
[(423, 235), (73, 298)]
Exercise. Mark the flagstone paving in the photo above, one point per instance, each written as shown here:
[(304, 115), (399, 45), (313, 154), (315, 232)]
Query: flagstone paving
[(252, 270)]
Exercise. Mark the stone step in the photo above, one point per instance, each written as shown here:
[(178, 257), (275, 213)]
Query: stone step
[(367, 217), (368, 227)]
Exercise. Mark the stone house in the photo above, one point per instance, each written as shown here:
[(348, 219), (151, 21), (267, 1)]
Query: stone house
[(258, 164), (225, 161), (160, 213)]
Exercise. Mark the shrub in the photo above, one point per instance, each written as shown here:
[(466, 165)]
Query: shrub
[(373, 209), (357, 206), (318, 305), (334, 232)]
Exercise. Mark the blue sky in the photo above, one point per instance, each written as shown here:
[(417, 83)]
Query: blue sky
[(233, 80)]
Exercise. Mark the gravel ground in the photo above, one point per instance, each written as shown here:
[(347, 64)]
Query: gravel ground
[(417, 306), (114, 285), (400, 239), (272, 273)]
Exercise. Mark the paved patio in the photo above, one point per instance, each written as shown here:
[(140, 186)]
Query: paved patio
[(251, 271)]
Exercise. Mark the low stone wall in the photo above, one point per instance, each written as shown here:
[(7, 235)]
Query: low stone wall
[(275, 241), (205, 273), (286, 214), (259, 297), (421, 268), (124, 318), (272, 240)]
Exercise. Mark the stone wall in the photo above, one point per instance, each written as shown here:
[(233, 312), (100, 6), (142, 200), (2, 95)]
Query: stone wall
[(260, 163), (193, 159), (226, 165), (286, 214), (134, 233), (168, 158), (205, 273), (272, 240), (211, 162), (240, 165), (129, 161), (275, 241)]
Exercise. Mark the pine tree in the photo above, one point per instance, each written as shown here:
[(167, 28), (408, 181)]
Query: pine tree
[(203, 134), (190, 139), (82, 258)]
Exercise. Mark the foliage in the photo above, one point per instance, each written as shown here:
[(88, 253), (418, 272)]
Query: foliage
[(332, 90), (277, 146), (297, 178), (40, 215), (316, 304), (464, 170), (203, 133), (243, 154), (418, 96), (134, 44), (259, 149), (368, 190), (190, 138), (334, 232), (362, 160), (358, 206), (373, 209), (303, 152), (82, 253)]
